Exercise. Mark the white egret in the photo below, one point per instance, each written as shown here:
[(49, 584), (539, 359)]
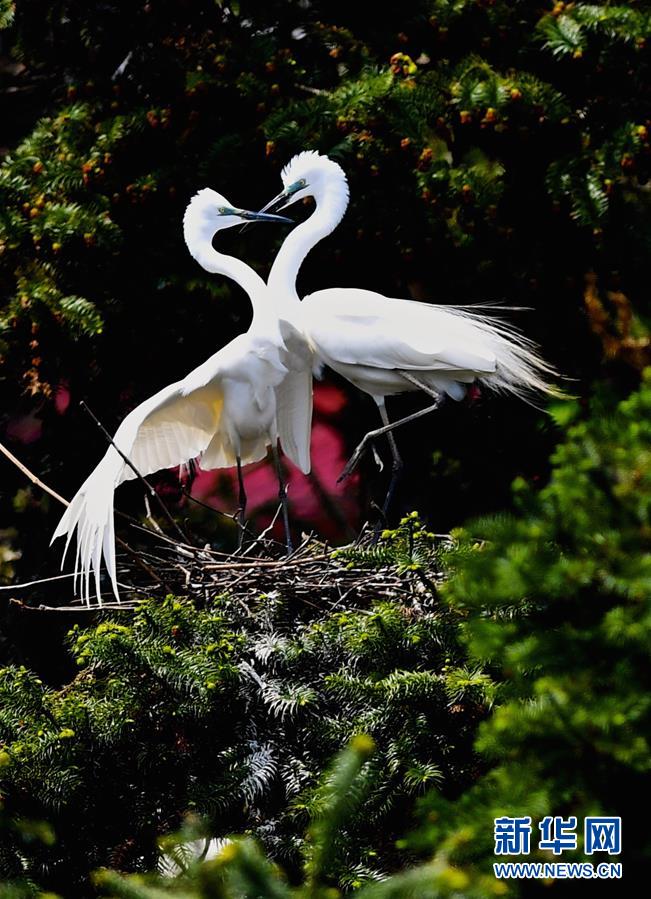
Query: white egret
[(387, 346), (227, 411)]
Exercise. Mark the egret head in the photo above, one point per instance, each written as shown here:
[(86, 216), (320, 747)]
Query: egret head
[(209, 212), (311, 175)]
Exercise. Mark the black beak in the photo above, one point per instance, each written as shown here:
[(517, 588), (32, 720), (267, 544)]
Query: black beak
[(279, 198), (272, 203), (263, 216)]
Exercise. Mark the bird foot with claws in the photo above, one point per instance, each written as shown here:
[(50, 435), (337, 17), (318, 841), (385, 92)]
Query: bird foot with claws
[(353, 462)]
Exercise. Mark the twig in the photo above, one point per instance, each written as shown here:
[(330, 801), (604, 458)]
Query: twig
[(36, 480), (150, 517), (296, 555), (142, 564), (312, 576), (32, 477), (272, 564), (185, 492), (316, 91), (43, 580), (112, 606), (260, 537)]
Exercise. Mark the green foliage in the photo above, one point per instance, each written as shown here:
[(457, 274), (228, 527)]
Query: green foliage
[(436, 112), (556, 601), (241, 870), (47, 221), (18, 838), (409, 547), (567, 29), (7, 11), (8, 554), (553, 601), (147, 691), (231, 710)]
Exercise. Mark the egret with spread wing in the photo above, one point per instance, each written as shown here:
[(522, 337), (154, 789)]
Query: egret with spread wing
[(387, 346), (225, 411)]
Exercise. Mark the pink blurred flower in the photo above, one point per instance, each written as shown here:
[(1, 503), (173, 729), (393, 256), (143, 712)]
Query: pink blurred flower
[(310, 496)]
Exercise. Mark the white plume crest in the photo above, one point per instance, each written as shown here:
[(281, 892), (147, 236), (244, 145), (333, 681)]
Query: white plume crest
[(310, 165), (201, 211), (326, 181)]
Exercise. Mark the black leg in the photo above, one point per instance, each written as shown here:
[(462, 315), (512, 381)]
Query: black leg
[(397, 465), (372, 435), (241, 510), (282, 495)]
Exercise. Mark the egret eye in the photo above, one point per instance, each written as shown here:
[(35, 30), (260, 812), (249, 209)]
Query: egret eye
[(222, 210), (296, 186)]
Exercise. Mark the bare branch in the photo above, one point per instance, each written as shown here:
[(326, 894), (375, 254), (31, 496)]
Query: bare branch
[(31, 476)]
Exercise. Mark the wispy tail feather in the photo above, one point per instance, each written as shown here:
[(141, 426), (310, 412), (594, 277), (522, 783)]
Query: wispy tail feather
[(89, 517), (109, 556), (67, 522), (520, 369)]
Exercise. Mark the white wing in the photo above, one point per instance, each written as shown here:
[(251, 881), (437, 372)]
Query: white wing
[(360, 327), (294, 412), (294, 398), (170, 428)]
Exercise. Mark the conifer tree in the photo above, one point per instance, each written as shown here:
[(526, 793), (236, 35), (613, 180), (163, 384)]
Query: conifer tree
[(556, 607), (232, 710), (240, 870)]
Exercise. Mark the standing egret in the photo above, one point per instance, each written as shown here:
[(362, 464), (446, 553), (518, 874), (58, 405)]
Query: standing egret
[(388, 346), (224, 411)]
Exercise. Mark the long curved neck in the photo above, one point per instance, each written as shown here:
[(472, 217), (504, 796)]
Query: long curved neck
[(200, 245), (330, 209)]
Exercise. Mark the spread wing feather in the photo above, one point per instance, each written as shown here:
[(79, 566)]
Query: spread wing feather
[(171, 427)]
